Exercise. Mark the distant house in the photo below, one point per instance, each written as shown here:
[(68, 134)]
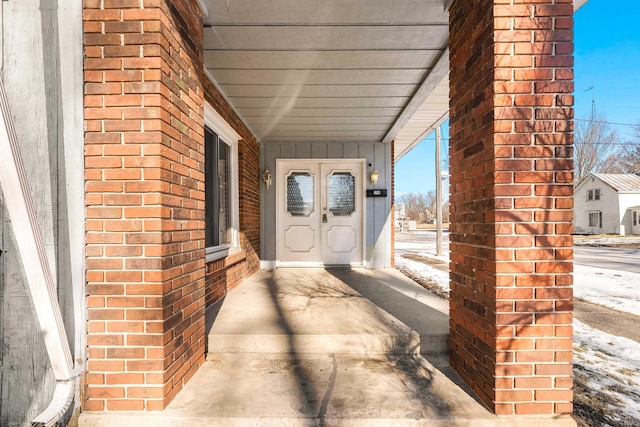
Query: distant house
[(608, 204)]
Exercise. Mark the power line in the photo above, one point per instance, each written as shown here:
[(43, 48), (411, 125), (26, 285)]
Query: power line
[(610, 143), (608, 123)]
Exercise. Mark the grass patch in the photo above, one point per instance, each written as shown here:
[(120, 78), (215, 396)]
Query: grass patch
[(628, 372), (597, 407)]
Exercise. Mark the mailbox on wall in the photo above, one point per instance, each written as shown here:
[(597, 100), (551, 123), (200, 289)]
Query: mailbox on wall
[(377, 193)]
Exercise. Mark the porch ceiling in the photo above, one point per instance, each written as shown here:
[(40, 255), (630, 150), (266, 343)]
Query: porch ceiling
[(330, 70)]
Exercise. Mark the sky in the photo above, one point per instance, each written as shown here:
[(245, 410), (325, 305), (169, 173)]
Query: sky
[(607, 58)]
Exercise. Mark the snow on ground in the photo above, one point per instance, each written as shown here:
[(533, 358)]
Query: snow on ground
[(615, 289), (424, 271), (427, 247), (605, 240), (610, 366)]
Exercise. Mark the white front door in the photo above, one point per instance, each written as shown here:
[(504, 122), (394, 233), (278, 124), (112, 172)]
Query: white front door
[(320, 212)]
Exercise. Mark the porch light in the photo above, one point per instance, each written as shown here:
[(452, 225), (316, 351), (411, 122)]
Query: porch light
[(374, 176), (266, 176)]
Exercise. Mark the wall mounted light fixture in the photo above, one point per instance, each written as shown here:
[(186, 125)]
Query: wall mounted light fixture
[(374, 177), (266, 176)]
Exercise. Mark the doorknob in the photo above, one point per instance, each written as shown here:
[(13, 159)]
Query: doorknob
[(324, 218)]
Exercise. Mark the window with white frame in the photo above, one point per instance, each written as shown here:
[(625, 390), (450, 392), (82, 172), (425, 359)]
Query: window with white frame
[(635, 218), (221, 187), (217, 181), (589, 194), (595, 219)]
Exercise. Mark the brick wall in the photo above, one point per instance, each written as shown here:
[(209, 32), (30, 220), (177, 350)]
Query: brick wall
[(144, 154), (511, 202)]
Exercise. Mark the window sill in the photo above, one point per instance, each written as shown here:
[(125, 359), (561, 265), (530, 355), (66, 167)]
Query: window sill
[(214, 253), (233, 254)]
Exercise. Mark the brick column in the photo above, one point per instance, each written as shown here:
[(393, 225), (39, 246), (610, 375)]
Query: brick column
[(144, 146), (511, 202)]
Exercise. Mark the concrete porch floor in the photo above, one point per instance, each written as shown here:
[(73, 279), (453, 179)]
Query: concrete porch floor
[(307, 347)]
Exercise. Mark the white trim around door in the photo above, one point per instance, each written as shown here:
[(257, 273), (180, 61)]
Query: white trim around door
[(320, 212)]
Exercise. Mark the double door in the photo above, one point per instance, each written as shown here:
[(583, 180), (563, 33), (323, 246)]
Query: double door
[(320, 212)]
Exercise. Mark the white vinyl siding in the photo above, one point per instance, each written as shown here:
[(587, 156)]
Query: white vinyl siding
[(596, 195)]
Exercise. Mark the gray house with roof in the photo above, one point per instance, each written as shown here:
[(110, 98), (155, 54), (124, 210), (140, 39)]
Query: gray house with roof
[(608, 204)]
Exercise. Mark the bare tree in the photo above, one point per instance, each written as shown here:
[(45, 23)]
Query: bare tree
[(415, 206), (445, 212), (595, 146), (431, 204), (629, 159)]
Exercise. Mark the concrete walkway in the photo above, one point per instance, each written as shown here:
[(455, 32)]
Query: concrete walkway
[(313, 347)]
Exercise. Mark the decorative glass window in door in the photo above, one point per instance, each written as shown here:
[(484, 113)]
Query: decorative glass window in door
[(300, 193), (342, 193)]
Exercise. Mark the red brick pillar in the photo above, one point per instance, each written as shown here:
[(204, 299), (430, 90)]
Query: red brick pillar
[(511, 202), (144, 159)]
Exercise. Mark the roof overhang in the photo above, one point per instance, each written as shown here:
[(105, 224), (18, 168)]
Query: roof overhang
[(332, 71), (577, 4), (325, 71)]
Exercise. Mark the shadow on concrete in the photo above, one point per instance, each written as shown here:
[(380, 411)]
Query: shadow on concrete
[(431, 324), (210, 316), (316, 399), (306, 387)]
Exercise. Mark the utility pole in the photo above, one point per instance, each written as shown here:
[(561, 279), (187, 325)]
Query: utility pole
[(593, 102), (438, 193)]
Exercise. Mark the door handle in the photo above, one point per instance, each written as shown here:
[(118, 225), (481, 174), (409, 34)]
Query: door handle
[(324, 218)]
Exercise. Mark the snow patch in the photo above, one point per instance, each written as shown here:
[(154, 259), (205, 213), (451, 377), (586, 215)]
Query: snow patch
[(424, 271), (612, 366), (615, 289)]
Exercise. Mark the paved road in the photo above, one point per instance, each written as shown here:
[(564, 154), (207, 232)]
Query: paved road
[(614, 258), (622, 259), (426, 238), (596, 316)]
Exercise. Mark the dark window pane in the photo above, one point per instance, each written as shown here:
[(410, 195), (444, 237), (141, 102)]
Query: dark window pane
[(210, 183), (224, 205), (217, 180)]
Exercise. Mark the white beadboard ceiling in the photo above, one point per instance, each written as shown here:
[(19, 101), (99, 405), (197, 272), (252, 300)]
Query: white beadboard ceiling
[(332, 70)]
